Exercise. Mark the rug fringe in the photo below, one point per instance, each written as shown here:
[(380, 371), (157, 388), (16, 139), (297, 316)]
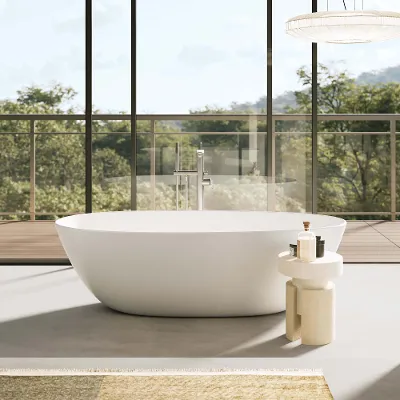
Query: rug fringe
[(159, 371)]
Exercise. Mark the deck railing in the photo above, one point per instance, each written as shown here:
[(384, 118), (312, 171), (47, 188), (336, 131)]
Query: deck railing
[(153, 118)]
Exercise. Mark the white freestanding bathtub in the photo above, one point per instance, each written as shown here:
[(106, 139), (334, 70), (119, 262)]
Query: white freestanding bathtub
[(188, 263)]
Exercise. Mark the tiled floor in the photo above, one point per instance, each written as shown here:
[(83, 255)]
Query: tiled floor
[(371, 242), (363, 242)]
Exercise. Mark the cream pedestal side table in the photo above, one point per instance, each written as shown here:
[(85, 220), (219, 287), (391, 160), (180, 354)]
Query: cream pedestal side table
[(310, 297)]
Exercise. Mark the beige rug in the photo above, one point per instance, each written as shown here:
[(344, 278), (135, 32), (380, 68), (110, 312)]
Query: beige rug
[(163, 385)]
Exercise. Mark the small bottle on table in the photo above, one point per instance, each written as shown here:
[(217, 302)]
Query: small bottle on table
[(306, 244)]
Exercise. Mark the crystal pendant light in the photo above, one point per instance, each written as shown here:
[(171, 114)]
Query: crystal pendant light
[(345, 27)]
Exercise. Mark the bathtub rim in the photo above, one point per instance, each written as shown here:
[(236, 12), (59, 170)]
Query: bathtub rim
[(61, 223)]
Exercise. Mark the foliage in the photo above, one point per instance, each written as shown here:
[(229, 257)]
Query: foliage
[(353, 170), (53, 97)]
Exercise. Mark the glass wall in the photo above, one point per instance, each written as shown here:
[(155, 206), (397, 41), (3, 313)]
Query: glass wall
[(291, 95), (111, 165), (42, 73), (203, 63), (201, 84), (14, 170), (43, 63), (111, 142), (59, 180), (354, 154), (112, 56)]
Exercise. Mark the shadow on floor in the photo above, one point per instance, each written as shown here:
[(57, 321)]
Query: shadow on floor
[(97, 331), (25, 278), (386, 388)]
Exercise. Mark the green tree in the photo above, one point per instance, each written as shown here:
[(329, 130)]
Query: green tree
[(60, 157), (353, 169)]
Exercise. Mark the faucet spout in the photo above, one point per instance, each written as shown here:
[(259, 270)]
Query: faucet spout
[(185, 173)]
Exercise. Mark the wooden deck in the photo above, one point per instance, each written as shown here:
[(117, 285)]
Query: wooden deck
[(22, 242), (371, 242), (37, 242)]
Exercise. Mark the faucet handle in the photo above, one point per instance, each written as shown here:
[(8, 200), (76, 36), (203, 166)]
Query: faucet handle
[(207, 182)]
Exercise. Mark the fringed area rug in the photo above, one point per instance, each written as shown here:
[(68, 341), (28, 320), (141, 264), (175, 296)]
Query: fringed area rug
[(100, 384)]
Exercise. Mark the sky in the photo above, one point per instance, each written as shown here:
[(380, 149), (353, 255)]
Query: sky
[(190, 53), (43, 41)]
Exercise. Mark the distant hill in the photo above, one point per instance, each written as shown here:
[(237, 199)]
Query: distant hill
[(391, 74), (288, 99), (280, 103)]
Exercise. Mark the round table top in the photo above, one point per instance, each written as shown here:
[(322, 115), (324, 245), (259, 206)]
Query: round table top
[(328, 267)]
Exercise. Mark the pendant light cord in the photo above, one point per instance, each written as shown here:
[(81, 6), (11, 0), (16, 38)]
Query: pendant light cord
[(344, 3)]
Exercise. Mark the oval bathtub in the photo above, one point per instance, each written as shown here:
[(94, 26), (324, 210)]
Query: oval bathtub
[(188, 263)]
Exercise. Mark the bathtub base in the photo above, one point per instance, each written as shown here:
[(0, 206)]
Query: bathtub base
[(251, 301), (194, 315)]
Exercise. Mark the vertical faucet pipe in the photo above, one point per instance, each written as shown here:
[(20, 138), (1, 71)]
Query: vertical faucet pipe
[(200, 176), (187, 192), (177, 168)]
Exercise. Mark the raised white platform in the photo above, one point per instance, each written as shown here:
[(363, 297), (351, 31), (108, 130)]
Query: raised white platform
[(49, 319)]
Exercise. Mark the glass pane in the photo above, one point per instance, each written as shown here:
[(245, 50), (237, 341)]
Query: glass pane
[(234, 160), (358, 79), (397, 170), (292, 95), (44, 70), (353, 170), (145, 183), (291, 60), (14, 174), (112, 55), (293, 166), (112, 166), (196, 54), (206, 73), (60, 177)]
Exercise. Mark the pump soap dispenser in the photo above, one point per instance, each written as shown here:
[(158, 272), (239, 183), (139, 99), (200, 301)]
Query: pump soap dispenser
[(306, 244)]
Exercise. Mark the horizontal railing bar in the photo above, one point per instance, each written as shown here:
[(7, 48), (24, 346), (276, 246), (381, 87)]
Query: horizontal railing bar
[(42, 133), (353, 133), (15, 133), (200, 133), (208, 133), (194, 117), (59, 133), (14, 213), (111, 117), (333, 133), (358, 117), (42, 117), (255, 133), (275, 117), (114, 133), (63, 117), (355, 213), (39, 213), (60, 213), (319, 212), (199, 117), (337, 117)]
